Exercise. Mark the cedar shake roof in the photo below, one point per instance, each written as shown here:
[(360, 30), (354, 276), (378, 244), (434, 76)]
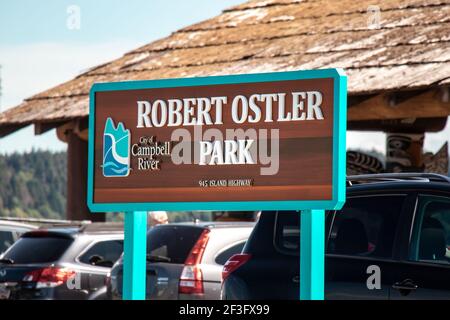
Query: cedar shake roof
[(408, 50)]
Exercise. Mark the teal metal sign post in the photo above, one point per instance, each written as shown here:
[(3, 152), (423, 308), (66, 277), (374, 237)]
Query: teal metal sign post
[(312, 222), (312, 254), (135, 255), (134, 126)]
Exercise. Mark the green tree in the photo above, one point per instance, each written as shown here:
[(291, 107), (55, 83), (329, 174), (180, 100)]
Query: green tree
[(33, 184)]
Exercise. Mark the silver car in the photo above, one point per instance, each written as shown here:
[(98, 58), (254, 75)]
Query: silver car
[(10, 231), (185, 260)]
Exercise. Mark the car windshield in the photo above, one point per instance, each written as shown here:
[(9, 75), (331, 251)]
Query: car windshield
[(171, 244), (37, 249)]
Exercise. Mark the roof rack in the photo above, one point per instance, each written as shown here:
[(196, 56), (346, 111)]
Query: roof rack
[(87, 226), (390, 177), (45, 221), (98, 227)]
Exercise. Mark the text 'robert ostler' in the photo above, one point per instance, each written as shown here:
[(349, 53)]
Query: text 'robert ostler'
[(208, 111)]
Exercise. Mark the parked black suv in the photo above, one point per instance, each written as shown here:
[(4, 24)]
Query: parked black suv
[(61, 262), (397, 224)]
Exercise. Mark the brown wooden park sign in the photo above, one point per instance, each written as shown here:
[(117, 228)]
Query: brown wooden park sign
[(244, 142), (273, 141)]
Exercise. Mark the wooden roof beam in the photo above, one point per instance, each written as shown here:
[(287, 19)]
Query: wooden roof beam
[(43, 127), (357, 99), (396, 98), (432, 103), (407, 125), (11, 128), (79, 126)]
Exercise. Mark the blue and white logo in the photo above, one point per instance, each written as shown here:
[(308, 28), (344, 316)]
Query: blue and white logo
[(116, 150)]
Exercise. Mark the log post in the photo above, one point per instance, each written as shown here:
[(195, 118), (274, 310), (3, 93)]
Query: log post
[(77, 154)]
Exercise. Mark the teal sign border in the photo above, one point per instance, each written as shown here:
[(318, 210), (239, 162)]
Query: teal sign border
[(339, 147)]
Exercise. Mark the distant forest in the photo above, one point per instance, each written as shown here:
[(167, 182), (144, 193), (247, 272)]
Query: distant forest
[(33, 184)]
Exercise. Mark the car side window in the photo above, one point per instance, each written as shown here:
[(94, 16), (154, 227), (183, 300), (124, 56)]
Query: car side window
[(107, 250), (366, 226), (287, 231), (223, 256), (431, 232)]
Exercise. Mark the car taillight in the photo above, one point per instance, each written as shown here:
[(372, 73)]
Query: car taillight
[(233, 263), (49, 277), (191, 279)]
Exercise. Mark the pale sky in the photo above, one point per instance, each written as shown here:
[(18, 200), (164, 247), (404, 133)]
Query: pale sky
[(39, 51)]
